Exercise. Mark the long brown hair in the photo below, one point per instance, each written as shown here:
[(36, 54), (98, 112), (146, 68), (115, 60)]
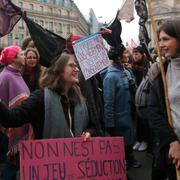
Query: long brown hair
[(53, 79), (172, 28)]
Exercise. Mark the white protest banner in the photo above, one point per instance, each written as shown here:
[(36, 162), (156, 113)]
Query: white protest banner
[(91, 55)]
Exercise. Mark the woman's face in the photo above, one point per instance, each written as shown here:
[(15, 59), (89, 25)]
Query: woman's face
[(169, 45), (20, 59), (125, 58), (71, 72), (137, 56), (31, 59)]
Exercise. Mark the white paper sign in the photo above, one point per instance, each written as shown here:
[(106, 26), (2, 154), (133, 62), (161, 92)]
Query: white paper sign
[(91, 55)]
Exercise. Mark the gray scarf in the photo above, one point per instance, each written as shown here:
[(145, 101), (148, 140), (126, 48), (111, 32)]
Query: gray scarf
[(55, 124)]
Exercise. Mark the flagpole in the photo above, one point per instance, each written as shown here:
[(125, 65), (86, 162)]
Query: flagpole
[(162, 71)]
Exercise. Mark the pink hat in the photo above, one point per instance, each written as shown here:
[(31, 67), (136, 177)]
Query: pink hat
[(8, 54)]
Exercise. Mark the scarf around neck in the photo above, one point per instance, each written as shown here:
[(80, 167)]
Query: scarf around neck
[(55, 124)]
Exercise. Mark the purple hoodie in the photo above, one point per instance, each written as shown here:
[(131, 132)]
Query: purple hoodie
[(12, 87), (13, 91)]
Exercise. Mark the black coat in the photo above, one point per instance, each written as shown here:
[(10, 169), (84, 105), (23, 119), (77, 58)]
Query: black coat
[(32, 111), (32, 85), (163, 132), (93, 97)]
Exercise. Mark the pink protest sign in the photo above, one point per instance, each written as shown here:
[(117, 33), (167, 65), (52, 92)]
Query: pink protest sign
[(73, 159), (91, 55)]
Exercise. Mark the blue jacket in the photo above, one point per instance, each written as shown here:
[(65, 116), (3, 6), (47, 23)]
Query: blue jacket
[(117, 102)]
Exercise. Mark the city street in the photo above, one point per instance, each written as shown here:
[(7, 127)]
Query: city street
[(143, 173)]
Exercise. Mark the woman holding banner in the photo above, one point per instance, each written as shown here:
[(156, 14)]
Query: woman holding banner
[(167, 146), (57, 110)]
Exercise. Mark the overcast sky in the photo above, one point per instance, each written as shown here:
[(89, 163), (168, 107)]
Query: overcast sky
[(106, 9)]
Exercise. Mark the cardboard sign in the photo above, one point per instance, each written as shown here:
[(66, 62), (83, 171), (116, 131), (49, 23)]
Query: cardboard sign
[(73, 159), (91, 55)]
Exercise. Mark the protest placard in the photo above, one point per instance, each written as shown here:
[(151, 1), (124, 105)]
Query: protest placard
[(91, 55), (100, 158)]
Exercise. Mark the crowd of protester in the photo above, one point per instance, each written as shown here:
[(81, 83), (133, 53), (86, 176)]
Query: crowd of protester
[(39, 102)]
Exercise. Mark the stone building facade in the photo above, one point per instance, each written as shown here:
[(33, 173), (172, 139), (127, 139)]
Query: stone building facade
[(59, 16), (163, 10)]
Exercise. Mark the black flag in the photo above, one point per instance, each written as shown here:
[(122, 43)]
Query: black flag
[(142, 12), (113, 38), (144, 39), (48, 44), (9, 16)]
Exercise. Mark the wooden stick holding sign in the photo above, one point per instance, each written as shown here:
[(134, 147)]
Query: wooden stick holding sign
[(162, 72)]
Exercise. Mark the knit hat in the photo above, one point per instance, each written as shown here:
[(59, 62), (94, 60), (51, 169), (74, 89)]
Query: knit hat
[(8, 54)]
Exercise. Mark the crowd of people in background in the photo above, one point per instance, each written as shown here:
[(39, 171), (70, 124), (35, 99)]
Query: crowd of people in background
[(39, 102)]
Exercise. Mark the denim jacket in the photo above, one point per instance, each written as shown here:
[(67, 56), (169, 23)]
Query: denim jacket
[(117, 102)]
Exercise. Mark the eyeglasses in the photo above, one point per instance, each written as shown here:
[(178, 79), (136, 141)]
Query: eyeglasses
[(73, 65)]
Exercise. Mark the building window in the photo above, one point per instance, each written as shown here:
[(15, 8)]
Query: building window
[(21, 38), (59, 2), (10, 39), (66, 3), (41, 22), (31, 7), (41, 8), (20, 4), (68, 13), (68, 28), (51, 10), (59, 29), (59, 12), (51, 26), (21, 24), (54, 1)]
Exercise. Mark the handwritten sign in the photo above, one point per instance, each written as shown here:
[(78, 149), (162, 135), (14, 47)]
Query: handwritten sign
[(91, 55), (73, 159)]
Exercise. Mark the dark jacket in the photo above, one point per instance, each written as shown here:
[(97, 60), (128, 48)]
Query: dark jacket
[(31, 111), (158, 120), (140, 70), (32, 79), (4, 146), (91, 92)]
